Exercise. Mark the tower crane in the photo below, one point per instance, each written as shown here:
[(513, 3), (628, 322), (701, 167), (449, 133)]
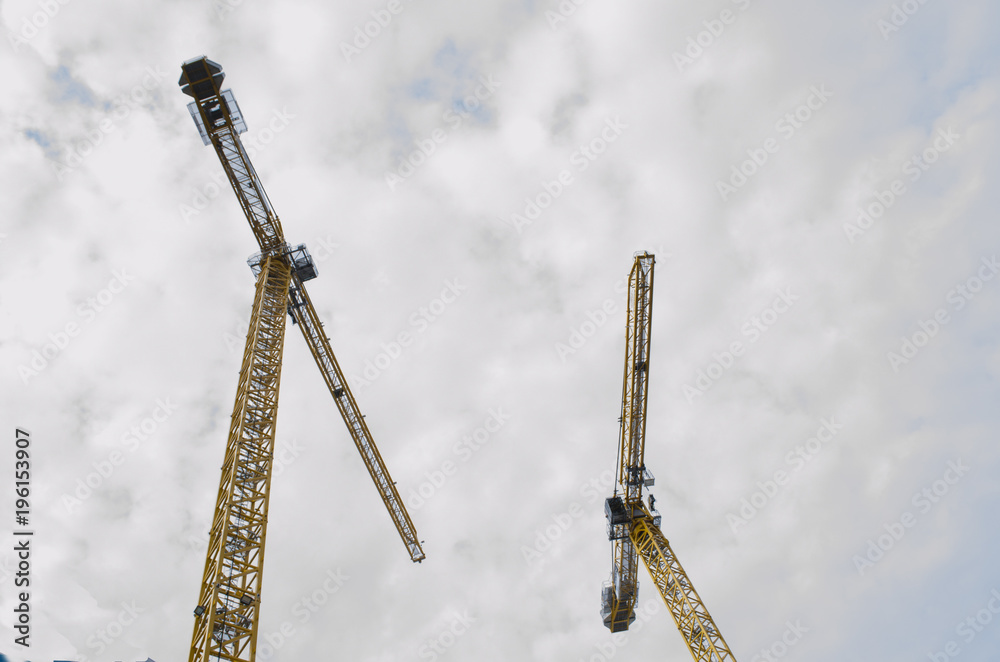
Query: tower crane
[(634, 527), (229, 601)]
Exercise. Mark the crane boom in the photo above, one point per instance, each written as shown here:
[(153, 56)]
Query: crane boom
[(220, 121), (229, 599), (632, 527), (256, 206), (312, 329), (638, 328), (688, 611)]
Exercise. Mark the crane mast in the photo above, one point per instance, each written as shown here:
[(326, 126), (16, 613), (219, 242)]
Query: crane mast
[(634, 527), (226, 616)]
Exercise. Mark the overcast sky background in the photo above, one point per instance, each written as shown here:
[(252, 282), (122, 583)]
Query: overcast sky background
[(104, 176)]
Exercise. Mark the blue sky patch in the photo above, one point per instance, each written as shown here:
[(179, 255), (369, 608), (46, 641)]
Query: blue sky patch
[(70, 89)]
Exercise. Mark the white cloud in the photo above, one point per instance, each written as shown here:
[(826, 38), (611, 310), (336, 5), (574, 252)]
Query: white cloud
[(138, 537)]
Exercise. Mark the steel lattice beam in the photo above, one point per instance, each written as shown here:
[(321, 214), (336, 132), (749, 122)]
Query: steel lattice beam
[(249, 191), (231, 585), (620, 604), (638, 329), (213, 110), (700, 633), (319, 345)]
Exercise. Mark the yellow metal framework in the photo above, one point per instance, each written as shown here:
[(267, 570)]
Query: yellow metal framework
[(227, 612), (632, 527), (688, 611), (230, 588), (319, 345)]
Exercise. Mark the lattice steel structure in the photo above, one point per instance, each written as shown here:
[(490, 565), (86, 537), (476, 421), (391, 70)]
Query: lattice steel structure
[(634, 528), (230, 588), (228, 606)]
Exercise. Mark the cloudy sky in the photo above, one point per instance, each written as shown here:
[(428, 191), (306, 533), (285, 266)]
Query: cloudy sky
[(473, 180)]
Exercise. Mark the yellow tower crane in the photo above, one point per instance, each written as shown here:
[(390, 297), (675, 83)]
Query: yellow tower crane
[(634, 528), (229, 603)]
